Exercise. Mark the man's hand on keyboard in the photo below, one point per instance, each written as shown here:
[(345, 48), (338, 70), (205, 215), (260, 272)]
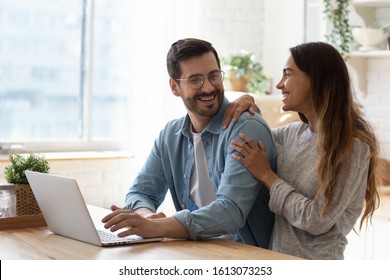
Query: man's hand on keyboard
[(155, 225)]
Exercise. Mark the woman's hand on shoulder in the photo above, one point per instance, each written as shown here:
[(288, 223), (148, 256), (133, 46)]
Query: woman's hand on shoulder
[(254, 157), (234, 110)]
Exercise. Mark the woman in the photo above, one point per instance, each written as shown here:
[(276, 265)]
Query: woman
[(327, 165)]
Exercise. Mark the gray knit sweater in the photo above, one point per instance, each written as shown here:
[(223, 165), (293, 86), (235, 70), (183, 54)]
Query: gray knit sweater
[(299, 230)]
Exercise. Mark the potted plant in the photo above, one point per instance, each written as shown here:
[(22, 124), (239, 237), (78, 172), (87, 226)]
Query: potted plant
[(245, 74), (14, 173), (337, 12)]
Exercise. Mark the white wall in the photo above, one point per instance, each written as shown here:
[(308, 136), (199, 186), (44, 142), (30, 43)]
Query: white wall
[(377, 101), (283, 28)]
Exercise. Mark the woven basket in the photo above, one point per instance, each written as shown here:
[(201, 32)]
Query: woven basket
[(26, 203)]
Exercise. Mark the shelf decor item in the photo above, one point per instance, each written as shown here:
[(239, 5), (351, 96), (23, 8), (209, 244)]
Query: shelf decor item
[(337, 12), (245, 74), (26, 203), (369, 38)]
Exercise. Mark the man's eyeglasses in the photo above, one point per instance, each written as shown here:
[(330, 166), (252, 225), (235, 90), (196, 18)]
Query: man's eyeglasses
[(196, 82)]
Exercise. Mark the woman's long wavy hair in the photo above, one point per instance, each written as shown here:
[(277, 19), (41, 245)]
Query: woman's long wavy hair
[(339, 121)]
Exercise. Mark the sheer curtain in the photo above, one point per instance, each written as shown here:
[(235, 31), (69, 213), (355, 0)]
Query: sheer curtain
[(153, 102)]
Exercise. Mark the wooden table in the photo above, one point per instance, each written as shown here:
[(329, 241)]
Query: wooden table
[(38, 242)]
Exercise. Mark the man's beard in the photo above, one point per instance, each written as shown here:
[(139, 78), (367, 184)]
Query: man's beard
[(194, 104)]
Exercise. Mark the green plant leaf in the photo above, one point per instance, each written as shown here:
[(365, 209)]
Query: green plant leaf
[(244, 65), (337, 12), (14, 172)]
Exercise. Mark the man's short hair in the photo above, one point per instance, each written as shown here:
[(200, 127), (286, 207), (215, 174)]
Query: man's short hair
[(185, 49)]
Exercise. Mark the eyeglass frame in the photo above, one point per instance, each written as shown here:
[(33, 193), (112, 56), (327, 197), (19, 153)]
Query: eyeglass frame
[(204, 78)]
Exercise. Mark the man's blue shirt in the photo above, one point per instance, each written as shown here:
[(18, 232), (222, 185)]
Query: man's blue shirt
[(241, 204)]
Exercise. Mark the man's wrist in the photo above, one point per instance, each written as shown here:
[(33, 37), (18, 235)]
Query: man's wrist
[(144, 212), (171, 227)]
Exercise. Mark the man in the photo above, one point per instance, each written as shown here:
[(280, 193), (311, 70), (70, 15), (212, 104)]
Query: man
[(213, 193)]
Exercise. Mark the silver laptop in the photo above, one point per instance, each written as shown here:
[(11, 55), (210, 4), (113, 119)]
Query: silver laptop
[(63, 207)]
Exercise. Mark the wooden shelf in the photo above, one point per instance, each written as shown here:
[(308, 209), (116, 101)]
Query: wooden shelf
[(371, 3), (371, 54), (22, 221)]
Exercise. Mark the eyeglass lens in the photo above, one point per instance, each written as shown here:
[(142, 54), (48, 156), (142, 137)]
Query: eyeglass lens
[(215, 78)]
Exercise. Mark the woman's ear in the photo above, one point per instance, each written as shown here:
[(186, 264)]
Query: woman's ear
[(174, 87)]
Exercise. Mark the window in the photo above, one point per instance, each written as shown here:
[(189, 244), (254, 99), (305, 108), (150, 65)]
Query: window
[(64, 74), (91, 74)]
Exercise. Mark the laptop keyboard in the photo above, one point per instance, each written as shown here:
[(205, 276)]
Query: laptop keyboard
[(111, 237)]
